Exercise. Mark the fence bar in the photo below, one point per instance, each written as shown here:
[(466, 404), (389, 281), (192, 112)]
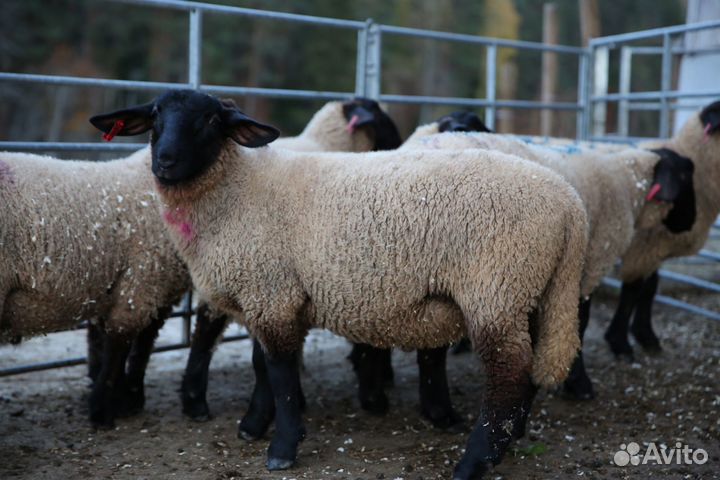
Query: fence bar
[(688, 280), (70, 362), (478, 102), (653, 95), (490, 85), (195, 48), (247, 12), (626, 54), (665, 86), (665, 300), (72, 147), (708, 254), (91, 82), (655, 32), (464, 38)]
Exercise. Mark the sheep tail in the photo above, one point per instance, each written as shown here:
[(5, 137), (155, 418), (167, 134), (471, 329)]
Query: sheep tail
[(557, 340)]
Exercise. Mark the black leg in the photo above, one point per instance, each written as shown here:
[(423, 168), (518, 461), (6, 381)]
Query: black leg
[(140, 351), (386, 367), (578, 385), (641, 327), (617, 333), (435, 401), (195, 381), (107, 390), (262, 404), (370, 367), (510, 393), (96, 346), (284, 376)]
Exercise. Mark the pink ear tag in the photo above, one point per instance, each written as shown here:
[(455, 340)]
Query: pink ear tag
[(653, 191), (706, 137)]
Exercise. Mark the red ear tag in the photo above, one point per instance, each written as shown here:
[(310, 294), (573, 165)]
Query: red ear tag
[(707, 132), (351, 124), (653, 191), (119, 125)]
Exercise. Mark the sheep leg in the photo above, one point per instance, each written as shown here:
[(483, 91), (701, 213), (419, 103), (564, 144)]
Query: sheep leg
[(578, 385), (284, 376), (96, 346), (142, 346), (370, 365), (193, 391), (617, 333), (262, 405), (435, 401), (641, 327), (107, 389), (510, 393)]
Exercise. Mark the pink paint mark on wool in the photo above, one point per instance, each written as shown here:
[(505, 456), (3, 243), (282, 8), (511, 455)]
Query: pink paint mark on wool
[(178, 219)]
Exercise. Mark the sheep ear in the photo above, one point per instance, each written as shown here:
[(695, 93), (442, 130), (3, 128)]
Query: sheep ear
[(127, 122), (246, 131), (710, 118), (673, 182)]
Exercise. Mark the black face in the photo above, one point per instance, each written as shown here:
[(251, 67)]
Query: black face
[(189, 129), (462, 122), (710, 118), (673, 182), (363, 112)]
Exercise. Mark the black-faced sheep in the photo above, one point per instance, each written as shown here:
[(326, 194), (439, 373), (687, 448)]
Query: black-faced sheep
[(355, 125), (410, 250)]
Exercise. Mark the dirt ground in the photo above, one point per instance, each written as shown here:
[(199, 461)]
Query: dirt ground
[(674, 397)]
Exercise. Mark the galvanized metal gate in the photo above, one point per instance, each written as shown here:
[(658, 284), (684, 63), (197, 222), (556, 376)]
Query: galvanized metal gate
[(590, 106)]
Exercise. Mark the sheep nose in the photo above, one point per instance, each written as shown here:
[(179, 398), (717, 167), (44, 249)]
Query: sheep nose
[(165, 160), (459, 128)]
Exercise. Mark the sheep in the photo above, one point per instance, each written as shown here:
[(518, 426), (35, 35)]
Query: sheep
[(613, 188), (82, 240), (355, 125), (392, 249), (698, 140), (459, 121)]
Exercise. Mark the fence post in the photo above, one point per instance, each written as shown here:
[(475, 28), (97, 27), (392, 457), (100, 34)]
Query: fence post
[(373, 60), (361, 60), (195, 48), (626, 54), (581, 121), (490, 84), (601, 57), (665, 85)]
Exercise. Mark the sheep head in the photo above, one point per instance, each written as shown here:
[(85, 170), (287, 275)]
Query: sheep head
[(365, 113), (462, 122), (188, 131)]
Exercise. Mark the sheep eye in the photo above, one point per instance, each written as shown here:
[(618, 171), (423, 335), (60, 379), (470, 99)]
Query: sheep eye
[(214, 120)]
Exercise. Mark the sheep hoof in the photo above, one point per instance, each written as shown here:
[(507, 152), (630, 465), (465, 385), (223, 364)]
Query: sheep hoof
[(375, 404), (196, 410), (274, 463), (247, 436), (647, 340), (578, 391), (444, 420), (621, 348), (132, 403)]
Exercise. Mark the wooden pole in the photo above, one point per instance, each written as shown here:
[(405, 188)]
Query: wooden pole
[(549, 66), (589, 20)]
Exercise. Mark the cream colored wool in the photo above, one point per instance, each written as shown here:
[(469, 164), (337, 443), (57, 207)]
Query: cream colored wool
[(327, 132), (409, 250), (612, 187), (82, 240), (651, 246)]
